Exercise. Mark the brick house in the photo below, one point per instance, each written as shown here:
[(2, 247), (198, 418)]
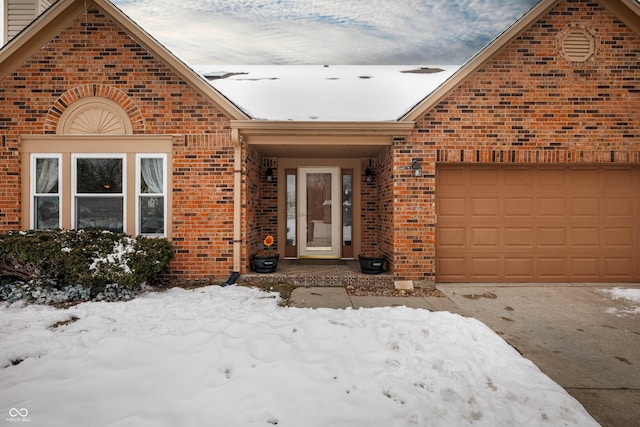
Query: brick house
[(524, 165)]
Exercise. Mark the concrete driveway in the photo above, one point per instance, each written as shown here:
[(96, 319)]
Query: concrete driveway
[(585, 340), (579, 335)]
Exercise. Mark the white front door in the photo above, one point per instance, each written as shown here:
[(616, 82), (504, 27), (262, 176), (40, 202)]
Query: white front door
[(319, 212)]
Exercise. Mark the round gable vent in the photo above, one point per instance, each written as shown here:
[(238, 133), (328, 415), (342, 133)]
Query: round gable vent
[(577, 45)]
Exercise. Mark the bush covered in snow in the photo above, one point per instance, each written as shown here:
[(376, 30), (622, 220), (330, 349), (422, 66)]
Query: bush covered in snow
[(47, 266)]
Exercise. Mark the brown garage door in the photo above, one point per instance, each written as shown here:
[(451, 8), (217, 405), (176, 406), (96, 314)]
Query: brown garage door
[(538, 224)]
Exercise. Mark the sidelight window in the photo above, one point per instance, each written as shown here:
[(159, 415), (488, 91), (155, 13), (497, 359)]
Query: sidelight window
[(151, 194), (45, 191)]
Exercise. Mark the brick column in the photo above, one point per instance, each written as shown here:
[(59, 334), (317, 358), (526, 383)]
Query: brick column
[(414, 213)]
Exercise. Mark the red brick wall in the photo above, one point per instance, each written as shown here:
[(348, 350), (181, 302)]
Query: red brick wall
[(528, 104), (268, 196), (93, 56), (203, 205), (10, 210), (369, 210), (250, 203), (261, 206), (384, 181), (413, 220)]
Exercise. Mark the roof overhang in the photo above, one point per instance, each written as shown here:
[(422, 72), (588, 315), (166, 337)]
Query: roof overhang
[(628, 11), (320, 139)]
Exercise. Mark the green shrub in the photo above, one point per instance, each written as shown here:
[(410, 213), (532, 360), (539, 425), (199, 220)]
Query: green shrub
[(92, 259), (150, 258)]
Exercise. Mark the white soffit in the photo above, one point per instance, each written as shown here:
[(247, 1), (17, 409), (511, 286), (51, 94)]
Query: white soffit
[(326, 93)]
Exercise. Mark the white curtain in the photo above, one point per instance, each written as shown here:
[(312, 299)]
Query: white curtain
[(46, 176), (151, 170)]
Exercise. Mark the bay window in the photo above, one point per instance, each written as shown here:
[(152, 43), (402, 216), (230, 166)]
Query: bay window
[(118, 183)]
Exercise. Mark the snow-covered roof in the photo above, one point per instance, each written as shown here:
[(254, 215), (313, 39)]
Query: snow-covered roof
[(326, 92)]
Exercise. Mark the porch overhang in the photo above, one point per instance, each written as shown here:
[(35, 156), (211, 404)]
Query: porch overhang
[(320, 139)]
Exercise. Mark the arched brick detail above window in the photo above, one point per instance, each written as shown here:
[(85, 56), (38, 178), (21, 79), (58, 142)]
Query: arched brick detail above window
[(94, 116), (94, 109)]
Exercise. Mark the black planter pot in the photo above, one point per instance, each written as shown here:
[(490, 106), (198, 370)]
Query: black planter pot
[(265, 264), (371, 265)]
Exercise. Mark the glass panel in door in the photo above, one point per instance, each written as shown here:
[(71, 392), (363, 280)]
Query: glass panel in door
[(291, 246), (320, 212)]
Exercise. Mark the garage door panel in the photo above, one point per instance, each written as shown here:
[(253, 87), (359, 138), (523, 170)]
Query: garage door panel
[(518, 237), (552, 237), (552, 207), (618, 207), (585, 178), (452, 237), (520, 176), (518, 207), (554, 268), (454, 265), (614, 178), (452, 177), (486, 268), (452, 207), (585, 207), (618, 237), (552, 177), (585, 237), (453, 269), (483, 177), (516, 269), (485, 237), (619, 267), (485, 206), (538, 223), (585, 268)]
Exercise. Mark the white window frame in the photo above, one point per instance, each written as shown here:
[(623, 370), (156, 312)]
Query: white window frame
[(75, 194), (139, 194), (32, 191)]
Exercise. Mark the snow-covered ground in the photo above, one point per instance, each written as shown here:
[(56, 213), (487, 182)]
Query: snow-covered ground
[(232, 357), (630, 298)]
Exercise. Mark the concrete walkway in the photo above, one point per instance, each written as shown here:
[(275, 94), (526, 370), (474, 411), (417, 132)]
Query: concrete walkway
[(580, 336)]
